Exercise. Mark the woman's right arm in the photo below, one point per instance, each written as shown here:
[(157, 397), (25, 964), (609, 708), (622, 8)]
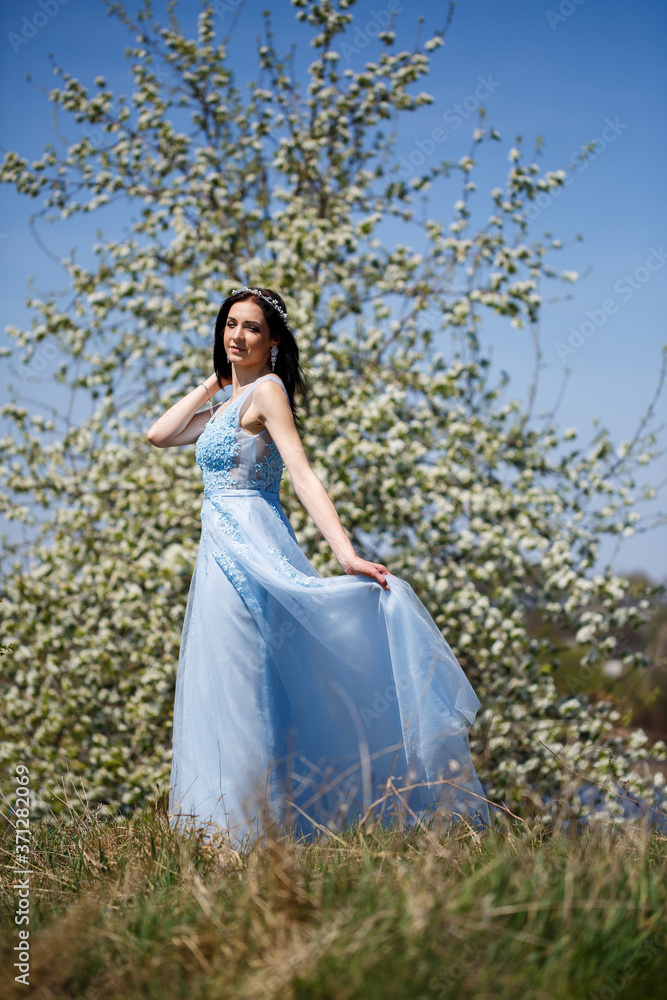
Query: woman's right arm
[(181, 424)]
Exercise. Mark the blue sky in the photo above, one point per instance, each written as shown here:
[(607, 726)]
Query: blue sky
[(570, 72)]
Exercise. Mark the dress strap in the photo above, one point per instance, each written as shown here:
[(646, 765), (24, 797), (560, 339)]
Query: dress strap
[(248, 389), (273, 378)]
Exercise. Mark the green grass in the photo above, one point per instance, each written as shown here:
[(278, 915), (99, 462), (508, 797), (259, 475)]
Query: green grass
[(130, 909)]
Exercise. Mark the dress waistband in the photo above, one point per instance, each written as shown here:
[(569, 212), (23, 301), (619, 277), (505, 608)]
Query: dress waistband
[(241, 492)]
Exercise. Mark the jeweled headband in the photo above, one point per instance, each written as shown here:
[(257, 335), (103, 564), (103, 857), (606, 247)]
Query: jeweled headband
[(267, 298)]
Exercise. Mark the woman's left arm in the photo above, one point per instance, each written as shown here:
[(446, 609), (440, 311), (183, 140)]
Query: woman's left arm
[(276, 415)]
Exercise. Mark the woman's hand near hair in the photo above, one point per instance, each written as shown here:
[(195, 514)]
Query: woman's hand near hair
[(182, 423)]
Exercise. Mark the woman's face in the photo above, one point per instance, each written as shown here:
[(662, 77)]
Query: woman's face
[(247, 337)]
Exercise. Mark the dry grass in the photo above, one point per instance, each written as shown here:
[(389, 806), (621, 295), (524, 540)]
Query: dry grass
[(131, 908)]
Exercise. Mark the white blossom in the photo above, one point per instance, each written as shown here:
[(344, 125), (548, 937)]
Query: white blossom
[(417, 449)]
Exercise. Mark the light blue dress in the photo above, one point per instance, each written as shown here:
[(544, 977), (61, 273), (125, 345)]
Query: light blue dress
[(301, 700)]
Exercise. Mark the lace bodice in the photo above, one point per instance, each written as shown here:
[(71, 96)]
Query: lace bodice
[(232, 458)]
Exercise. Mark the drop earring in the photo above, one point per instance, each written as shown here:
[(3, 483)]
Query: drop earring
[(274, 355)]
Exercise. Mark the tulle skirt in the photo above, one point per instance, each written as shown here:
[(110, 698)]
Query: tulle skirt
[(303, 701)]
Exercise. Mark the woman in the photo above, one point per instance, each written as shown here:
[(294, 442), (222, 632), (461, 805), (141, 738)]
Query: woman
[(301, 700)]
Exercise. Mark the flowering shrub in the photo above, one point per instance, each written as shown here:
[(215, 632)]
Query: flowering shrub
[(492, 515)]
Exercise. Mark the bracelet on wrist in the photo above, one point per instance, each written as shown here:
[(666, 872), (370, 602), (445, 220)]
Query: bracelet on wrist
[(210, 401)]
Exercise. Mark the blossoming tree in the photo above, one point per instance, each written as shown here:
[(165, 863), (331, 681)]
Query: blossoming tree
[(492, 515)]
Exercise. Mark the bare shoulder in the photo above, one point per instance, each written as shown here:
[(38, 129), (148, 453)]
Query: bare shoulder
[(269, 389)]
